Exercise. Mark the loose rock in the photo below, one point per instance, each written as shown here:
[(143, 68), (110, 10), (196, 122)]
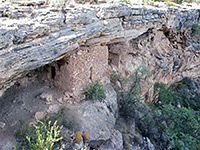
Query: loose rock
[(2, 125), (48, 97), (40, 115)]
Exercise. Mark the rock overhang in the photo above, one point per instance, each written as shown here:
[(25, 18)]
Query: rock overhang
[(44, 35)]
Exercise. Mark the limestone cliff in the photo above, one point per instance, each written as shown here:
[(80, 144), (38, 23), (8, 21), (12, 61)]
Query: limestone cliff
[(79, 44)]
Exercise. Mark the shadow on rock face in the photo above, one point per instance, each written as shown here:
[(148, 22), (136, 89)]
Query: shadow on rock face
[(71, 118), (19, 102)]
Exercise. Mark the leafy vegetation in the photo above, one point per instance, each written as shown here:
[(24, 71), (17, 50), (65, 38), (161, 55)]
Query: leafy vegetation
[(129, 90), (197, 28), (5, 13), (45, 135), (169, 3), (94, 92), (177, 110), (41, 136), (183, 94), (162, 94), (182, 127), (74, 29), (171, 120), (126, 1)]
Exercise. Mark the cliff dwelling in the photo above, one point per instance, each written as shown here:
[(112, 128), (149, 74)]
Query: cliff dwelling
[(52, 57)]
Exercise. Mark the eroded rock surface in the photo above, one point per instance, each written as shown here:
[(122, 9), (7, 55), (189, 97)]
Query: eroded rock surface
[(35, 36), (96, 118), (154, 49), (77, 45)]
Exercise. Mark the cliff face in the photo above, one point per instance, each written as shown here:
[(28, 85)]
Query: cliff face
[(77, 45), (73, 46)]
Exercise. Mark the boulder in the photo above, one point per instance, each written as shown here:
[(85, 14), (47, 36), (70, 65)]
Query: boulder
[(95, 118)]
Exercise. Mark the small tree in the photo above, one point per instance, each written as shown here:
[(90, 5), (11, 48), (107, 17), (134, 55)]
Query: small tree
[(130, 91)]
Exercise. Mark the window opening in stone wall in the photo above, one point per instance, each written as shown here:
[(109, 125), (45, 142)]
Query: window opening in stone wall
[(113, 59), (53, 72)]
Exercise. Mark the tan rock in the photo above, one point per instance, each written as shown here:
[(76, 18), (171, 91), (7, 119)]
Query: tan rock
[(47, 97), (60, 100), (53, 108), (40, 115)]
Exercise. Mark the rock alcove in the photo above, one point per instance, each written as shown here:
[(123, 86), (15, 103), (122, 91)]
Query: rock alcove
[(48, 56)]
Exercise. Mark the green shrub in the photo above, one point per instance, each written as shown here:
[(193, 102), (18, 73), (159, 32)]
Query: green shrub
[(182, 127), (41, 136), (187, 94), (197, 28), (130, 90), (168, 3), (152, 124), (74, 29), (117, 76), (94, 92), (24, 130), (184, 94), (172, 119), (56, 117), (178, 106), (162, 94)]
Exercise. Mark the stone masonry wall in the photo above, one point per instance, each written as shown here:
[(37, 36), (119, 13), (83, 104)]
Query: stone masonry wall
[(82, 68)]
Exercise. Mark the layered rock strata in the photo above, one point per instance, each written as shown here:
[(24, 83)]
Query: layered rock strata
[(82, 44)]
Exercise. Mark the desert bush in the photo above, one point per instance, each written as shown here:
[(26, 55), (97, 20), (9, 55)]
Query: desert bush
[(152, 124), (197, 28), (95, 91), (130, 91), (182, 127), (41, 136), (187, 94), (184, 93), (170, 127), (162, 94), (171, 121), (178, 106), (169, 3)]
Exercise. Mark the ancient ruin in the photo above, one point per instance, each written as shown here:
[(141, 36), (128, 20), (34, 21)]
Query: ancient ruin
[(66, 49)]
